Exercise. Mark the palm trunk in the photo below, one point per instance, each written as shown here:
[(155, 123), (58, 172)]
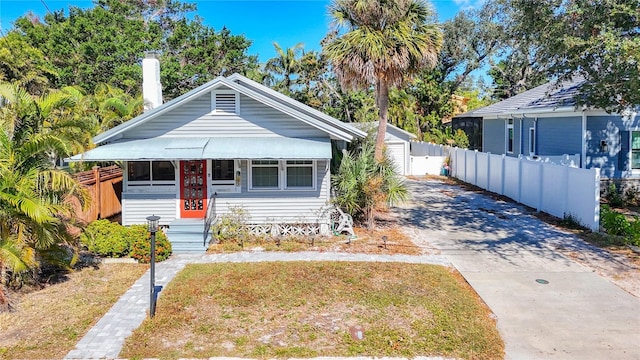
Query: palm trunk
[(382, 98)]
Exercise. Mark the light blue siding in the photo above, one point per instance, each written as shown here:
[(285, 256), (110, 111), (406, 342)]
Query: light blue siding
[(262, 206), (195, 119), (494, 136), (527, 123), (609, 128), (558, 136)]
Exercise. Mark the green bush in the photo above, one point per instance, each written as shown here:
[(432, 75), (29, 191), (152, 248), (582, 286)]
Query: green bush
[(141, 244), (613, 196), (106, 238), (615, 223)]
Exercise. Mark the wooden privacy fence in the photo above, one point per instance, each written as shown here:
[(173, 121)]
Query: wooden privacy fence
[(105, 187)]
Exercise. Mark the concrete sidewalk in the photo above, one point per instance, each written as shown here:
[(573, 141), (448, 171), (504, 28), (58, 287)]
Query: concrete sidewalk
[(547, 306)]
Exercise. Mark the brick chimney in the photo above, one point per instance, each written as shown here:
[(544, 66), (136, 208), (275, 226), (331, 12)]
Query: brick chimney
[(151, 87)]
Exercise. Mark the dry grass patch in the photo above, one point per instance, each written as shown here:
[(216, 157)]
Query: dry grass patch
[(47, 324), (366, 241), (302, 309)]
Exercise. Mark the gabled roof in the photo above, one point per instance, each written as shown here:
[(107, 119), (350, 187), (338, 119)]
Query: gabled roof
[(404, 135), (334, 127), (546, 97)]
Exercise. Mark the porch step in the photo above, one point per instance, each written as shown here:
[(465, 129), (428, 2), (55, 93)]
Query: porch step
[(186, 236)]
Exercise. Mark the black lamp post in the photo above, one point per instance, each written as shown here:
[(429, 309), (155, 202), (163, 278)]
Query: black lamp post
[(152, 222)]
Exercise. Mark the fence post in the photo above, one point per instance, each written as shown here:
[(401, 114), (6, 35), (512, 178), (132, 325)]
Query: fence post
[(503, 175), (475, 167), (519, 200), (540, 187), (97, 191), (565, 188), (489, 171)]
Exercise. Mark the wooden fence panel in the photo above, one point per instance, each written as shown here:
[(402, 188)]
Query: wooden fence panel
[(105, 188)]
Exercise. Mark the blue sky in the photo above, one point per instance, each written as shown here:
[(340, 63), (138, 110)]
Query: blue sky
[(262, 21)]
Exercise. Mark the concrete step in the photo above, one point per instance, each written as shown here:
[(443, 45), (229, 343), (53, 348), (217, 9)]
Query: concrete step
[(186, 236)]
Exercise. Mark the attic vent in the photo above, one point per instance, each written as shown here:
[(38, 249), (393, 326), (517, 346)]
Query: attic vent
[(225, 103)]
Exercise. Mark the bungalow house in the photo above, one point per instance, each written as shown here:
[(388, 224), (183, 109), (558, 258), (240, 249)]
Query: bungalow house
[(229, 143), (398, 144), (545, 122)]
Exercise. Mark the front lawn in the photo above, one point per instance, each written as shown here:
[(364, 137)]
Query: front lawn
[(47, 324), (307, 309)]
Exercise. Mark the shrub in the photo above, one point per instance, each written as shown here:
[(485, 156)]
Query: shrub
[(106, 238), (613, 196), (632, 196), (231, 225), (141, 244), (613, 222)]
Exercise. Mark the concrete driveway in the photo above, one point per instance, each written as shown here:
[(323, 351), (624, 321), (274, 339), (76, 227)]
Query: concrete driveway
[(547, 305)]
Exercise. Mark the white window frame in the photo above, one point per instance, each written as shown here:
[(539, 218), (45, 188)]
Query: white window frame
[(509, 126), (155, 185), (226, 186), (311, 164), (215, 111), (634, 170), (532, 141), (282, 176)]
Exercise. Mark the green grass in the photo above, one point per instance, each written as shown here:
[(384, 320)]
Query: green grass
[(302, 309)]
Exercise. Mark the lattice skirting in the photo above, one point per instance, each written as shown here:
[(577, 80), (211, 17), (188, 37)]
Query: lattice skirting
[(297, 229)]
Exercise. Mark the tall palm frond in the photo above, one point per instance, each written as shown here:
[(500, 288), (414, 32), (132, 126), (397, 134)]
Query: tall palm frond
[(385, 44)]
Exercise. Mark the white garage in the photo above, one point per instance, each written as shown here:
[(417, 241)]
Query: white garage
[(397, 141)]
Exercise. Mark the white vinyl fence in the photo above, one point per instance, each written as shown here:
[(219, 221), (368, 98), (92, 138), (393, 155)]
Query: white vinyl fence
[(555, 189)]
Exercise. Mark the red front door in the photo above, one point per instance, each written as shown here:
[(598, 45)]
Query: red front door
[(193, 188)]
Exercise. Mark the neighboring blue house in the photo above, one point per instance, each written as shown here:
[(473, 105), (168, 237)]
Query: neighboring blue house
[(229, 143), (545, 121)]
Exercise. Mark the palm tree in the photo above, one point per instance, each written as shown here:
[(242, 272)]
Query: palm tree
[(285, 65), (386, 44), (364, 185), (33, 210)]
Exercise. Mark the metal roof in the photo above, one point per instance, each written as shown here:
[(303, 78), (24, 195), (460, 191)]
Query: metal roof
[(173, 148), (548, 96), (398, 132)]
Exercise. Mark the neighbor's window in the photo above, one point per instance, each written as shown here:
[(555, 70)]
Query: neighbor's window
[(532, 141), (299, 174), (265, 174), (510, 136), (150, 173), (635, 149)]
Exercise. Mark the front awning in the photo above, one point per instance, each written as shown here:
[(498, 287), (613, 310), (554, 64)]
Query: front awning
[(210, 148)]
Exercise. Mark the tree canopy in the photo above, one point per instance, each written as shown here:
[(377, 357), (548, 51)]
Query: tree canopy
[(105, 44), (385, 43)]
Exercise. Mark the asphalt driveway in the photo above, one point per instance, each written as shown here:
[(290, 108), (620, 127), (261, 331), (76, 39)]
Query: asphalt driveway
[(547, 305)]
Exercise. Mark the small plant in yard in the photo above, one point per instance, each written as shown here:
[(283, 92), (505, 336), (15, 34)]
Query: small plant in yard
[(232, 226), (613, 196), (141, 244), (571, 221), (632, 196), (615, 223)]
